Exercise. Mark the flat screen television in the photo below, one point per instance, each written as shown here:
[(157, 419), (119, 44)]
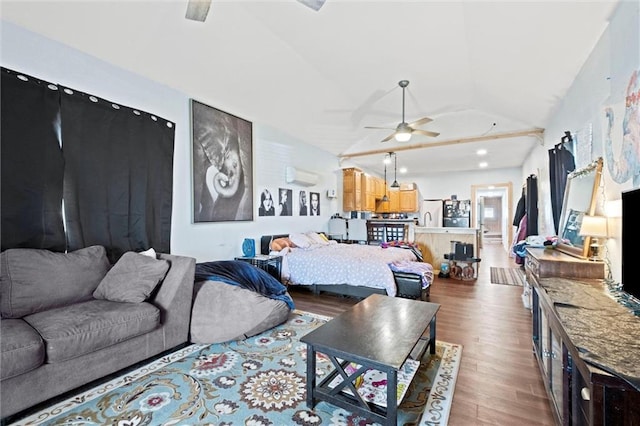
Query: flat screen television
[(630, 241)]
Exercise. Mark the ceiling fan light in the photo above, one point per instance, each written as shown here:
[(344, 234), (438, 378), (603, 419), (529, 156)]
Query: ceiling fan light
[(403, 136)]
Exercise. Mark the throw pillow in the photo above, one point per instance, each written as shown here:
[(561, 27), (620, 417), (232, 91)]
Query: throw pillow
[(151, 253), (132, 279)]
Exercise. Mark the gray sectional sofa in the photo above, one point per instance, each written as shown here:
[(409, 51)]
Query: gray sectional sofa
[(71, 318)]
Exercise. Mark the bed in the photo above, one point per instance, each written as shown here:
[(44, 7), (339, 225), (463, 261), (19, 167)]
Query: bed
[(352, 269)]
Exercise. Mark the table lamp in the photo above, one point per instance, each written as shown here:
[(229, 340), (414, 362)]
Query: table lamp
[(594, 227)]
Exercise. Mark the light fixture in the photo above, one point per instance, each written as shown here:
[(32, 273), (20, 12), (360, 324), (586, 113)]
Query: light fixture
[(594, 227), (395, 183), (483, 164), (481, 152), (385, 198), (403, 133)]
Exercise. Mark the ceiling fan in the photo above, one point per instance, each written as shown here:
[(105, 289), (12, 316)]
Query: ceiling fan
[(404, 130), (197, 10)]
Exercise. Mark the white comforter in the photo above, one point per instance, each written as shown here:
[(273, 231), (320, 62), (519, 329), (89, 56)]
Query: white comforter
[(353, 264)]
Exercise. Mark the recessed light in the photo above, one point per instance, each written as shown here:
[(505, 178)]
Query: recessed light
[(483, 164), (403, 170), (481, 152)]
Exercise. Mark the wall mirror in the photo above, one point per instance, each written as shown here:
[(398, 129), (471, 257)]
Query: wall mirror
[(579, 200)]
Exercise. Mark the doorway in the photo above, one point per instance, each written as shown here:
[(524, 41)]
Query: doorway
[(491, 212)]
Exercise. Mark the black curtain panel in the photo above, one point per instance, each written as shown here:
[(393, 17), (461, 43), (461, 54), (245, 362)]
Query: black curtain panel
[(119, 175), (531, 205), (561, 163), (32, 164)]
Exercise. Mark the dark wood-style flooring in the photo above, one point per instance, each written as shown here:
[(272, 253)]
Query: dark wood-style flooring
[(499, 382)]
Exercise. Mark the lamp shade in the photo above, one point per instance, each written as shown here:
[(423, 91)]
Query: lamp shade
[(403, 136), (594, 226)]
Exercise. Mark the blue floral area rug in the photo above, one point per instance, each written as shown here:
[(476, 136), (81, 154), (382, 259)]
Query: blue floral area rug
[(258, 381)]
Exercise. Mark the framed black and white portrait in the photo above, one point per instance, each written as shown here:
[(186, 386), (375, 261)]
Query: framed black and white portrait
[(266, 205), (285, 203), (314, 204), (222, 165), (303, 208)]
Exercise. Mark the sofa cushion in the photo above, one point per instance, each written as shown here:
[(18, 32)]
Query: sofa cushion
[(35, 280), (22, 348), (81, 328), (132, 279)]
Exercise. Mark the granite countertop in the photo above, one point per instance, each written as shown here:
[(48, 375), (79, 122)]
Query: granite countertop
[(605, 333)]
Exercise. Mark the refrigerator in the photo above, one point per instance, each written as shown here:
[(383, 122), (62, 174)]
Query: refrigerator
[(431, 213), (456, 213)]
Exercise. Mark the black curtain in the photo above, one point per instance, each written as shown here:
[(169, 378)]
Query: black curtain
[(561, 163), (32, 164), (531, 205), (119, 175)]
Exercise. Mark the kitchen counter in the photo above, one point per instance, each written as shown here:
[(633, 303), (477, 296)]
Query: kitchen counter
[(423, 230), (381, 220), (436, 242)]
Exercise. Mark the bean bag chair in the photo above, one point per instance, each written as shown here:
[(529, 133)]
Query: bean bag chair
[(234, 300)]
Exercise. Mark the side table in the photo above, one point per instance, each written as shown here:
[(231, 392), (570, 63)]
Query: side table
[(271, 264)]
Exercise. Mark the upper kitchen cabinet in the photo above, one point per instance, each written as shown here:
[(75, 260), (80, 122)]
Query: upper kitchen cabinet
[(408, 201), (352, 189), (369, 191)]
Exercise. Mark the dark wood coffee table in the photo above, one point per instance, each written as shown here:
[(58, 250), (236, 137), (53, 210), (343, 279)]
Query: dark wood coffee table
[(380, 332)]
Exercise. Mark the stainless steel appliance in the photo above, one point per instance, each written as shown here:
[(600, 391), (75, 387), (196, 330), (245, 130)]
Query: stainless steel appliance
[(456, 213)]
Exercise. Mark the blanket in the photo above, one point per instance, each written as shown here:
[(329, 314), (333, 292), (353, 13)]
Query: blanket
[(425, 270), (244, 275)]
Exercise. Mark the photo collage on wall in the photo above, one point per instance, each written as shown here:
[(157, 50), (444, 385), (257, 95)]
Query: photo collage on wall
[(284, 202)]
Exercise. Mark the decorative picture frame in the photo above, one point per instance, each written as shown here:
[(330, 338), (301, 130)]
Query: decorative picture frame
[(222, 161)]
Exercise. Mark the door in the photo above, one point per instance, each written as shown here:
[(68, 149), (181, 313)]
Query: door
[(480, 220), (503, 190)]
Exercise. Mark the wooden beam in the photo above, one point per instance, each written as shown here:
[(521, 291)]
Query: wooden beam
[(531, 132)]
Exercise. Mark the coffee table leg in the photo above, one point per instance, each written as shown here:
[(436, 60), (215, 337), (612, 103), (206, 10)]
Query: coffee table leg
[(432, 335), (311, 375), (392, 398)]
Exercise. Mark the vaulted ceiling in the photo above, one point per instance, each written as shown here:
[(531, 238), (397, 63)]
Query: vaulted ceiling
[(478, 69)]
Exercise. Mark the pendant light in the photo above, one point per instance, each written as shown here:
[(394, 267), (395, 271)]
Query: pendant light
[(395, 183), (385, 198)]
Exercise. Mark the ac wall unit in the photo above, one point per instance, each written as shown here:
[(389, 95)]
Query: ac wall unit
[(300, 177)]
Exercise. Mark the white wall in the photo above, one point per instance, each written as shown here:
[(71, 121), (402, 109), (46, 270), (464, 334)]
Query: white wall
[(601, 82), (32, 54)]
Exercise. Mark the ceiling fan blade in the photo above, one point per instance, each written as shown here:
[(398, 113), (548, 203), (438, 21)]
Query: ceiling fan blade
[(421, 121), (383, 128), (197, 10), (425, 132), (313, 4), (388, 138)]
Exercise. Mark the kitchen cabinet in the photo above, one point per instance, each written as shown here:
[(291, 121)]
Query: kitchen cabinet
[(569, 308), (369, 191), (391, 206), (408, 201), (351, 189), (380, 186)]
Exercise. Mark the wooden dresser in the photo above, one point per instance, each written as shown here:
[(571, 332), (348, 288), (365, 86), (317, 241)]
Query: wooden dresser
[(585, 342)]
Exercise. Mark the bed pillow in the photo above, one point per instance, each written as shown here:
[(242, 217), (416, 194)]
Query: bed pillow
[(132, 279), (301, 240), (316, 238), (34, 280)]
